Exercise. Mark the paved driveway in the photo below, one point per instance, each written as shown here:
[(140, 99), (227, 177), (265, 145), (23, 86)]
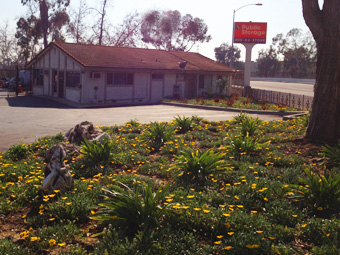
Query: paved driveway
[(25, 119)]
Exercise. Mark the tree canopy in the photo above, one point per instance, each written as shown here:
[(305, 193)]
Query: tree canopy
[(171, 31), (225, 54)]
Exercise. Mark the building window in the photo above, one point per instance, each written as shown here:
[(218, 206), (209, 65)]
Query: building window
[(157, 76), (94, 75), (201, 81), (205, 81), (123, 79), (109, 78), (38, 77), (73, 79)]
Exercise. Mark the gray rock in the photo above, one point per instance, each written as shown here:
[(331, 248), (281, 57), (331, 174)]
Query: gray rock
[(57, 173)]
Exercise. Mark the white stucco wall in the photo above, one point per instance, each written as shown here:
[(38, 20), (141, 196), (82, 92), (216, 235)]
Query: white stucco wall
[(38, 90), (119, 93), (90, 95), (54, 57), (73, 95), (141, 83)]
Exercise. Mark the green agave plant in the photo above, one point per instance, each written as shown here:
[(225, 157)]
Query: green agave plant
[(332, 154), (157, 133), (131, 209), (245, 145), (198, 166), (320, 191), (97, 153), (184, 124)]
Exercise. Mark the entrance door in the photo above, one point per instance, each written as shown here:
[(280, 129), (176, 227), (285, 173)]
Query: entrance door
[(157, 87), (190, 86), (61, 85)]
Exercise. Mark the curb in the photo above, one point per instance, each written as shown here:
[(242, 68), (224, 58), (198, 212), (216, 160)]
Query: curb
[(218, 108)]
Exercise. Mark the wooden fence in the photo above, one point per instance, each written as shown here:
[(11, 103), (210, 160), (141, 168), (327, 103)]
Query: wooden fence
[(299, 102)]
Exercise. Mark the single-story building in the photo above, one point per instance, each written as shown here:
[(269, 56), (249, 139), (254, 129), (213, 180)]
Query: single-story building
[(93, 74)]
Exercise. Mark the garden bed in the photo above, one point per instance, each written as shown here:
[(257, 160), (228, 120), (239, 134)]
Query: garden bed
[(236, 104), (190, 186)]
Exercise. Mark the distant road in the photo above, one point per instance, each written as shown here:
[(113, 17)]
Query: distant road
[(294, 88)]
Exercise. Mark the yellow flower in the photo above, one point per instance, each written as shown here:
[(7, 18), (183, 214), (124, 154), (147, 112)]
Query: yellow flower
[(230, 233), (294, 215), (271, 238), (52, 242), (259, 231), (191, 196), (218, 242), (206, 211), (304, 225), (35, 238), (219, 237), (228, 247), (197, 209), (51, 219), (61, 244), (226, 214), (251, 246)]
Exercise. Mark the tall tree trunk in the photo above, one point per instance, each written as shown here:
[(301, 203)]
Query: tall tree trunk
[(44, 20), (324, 123), (102, 23)]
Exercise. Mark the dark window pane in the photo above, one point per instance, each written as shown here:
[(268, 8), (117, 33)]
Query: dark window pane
[(72, 79), (120, 78), (110, 78), (157, 76), (129, 79), (201, 81)]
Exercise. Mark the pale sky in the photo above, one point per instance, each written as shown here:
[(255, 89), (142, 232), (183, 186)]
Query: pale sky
[(281, 16)]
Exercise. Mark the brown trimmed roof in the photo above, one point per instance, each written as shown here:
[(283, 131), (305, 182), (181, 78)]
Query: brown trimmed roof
[(136, 58)]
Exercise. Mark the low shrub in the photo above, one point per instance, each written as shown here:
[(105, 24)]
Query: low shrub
[(156, 134), (197, 166), (183, 124), (97, 153), (131, 209), (321, 192), (17, 152), (332, 154)]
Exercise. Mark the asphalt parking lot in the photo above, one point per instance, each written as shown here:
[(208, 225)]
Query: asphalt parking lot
[(24, 119)]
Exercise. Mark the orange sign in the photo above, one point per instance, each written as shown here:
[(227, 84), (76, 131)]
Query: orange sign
[(250, 32)]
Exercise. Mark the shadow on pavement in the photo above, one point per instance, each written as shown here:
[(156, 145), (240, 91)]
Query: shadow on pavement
[(34, 102)]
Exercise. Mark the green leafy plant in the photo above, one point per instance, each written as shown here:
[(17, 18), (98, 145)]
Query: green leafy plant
[(131, 209), (248, 124), (10, 248), (157, 133), (198, 166), (183, 124), (304, 120), (332, 154), (133, 123), (196, 119), (240, 145), (17, 152), (320, 191), (97, 153)]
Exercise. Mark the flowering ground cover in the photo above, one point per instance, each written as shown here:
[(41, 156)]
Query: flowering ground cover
[(235, 102), (190, 186)]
